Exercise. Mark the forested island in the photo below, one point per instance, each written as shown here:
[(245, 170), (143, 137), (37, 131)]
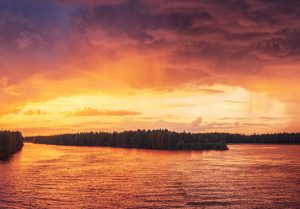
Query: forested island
[(10, 143), (150, 139), (164, 139)]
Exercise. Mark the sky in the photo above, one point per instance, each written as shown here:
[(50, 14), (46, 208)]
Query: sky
[(185, 65)]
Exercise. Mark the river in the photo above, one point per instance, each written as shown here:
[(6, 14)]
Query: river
[(245, 176)]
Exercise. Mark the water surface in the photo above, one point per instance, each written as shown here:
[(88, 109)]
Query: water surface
[(246, 176)]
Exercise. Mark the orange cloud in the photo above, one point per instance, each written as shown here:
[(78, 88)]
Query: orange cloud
[(34, 112), (93, 112), (211, 91), (197, 121)]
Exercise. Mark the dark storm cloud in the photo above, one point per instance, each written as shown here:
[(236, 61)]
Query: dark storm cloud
[(231, 36), (35, 17), (136, 18), (30, 32), (253, 26), (248, 28)]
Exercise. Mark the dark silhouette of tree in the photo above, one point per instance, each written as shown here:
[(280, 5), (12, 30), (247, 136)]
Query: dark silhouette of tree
[(150, 139), (10, 142), (164, 139)]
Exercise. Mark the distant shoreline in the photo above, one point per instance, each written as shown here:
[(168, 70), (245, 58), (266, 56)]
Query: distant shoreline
[(140, 139), (164, 139)]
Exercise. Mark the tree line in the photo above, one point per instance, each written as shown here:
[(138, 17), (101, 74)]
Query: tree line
[(164, 139), (271, 138), (146, 139), (10, 142)]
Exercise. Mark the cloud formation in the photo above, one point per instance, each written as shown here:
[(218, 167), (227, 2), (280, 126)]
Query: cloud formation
[(35, 112), (60, 48), (88, 111), (198, 41), (200, 38)]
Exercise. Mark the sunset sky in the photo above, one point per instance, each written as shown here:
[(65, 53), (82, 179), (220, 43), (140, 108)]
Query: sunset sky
[(185, 65)]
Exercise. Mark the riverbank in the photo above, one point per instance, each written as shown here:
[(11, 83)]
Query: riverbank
[(10, 143)]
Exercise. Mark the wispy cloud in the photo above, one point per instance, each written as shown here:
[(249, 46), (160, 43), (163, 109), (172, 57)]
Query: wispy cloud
[(211, 91), (88, 111), (234, 101), (35, 112)]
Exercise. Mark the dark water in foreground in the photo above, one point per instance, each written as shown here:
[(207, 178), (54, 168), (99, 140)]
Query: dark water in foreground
[(246, 176)]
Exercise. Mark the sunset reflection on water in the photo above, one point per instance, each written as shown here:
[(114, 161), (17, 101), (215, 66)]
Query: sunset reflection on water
[(246, 176)]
